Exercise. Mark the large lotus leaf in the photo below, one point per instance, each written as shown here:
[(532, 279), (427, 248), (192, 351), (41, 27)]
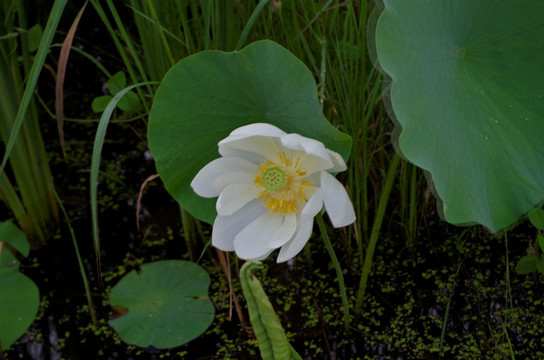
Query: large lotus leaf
[(166, 305), (206, 96), (467, 92), (19, 296)]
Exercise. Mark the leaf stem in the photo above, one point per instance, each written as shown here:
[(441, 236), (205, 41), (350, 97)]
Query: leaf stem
[(378, 219), (337, 267)]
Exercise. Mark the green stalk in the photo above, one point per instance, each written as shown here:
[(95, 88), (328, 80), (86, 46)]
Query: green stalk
[(45, 42), (121, 49), (505, 332), (25, 203), (161, 33), (374, 235), (443, 330), (189, 41), (447, 312), (508, 293), (189, 233), (80, 262), (337, 267), (207, 13), (24, 145), (95, 164), (10, 197), (412, 215), (133, 53), (225, 27), (149, 17), (250, 24)]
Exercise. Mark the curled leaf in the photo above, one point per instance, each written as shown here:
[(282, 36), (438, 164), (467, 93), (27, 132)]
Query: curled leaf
[(270, 335)]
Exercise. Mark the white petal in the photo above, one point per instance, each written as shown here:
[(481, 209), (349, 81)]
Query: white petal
[(296, 244), (249, 156), (317, 156), (285, 232), (336, 200), (314, 205), (264, 256), (246, 141), (225, 228), (234, 177), (212, 178), (247, 146), (338, 161), (258, 129), (234, 197), (252, 241)]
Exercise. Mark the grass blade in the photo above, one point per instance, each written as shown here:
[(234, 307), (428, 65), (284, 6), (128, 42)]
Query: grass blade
[(47, 38), (95, 164), (378, 219), (79, 261), (250, 23)]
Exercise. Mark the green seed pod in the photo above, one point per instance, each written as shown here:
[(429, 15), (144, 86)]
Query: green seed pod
[(270, 335)]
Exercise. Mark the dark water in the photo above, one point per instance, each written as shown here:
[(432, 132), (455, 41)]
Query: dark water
[(446, 274)]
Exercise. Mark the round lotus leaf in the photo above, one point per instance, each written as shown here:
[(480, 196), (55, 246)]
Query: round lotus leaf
[(165, 305), (19, 296), (207, 95), (468, 100)]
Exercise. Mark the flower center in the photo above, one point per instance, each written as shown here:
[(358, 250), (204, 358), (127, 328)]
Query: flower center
[(283, 187), (273, 178)]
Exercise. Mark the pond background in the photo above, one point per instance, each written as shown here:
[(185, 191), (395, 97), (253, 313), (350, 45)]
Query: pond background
[(433, 274)]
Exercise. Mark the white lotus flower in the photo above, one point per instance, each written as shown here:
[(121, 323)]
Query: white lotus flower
[(270, 186)]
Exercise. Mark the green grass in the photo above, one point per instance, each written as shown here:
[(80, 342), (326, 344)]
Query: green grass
[(27, 189)]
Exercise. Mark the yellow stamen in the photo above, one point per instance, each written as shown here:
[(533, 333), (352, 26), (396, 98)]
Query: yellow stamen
[(284, 189)]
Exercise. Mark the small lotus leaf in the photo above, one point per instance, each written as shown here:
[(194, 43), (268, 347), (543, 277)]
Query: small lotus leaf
[(19, 296), (527, 264), (536, 216), (166, 304)]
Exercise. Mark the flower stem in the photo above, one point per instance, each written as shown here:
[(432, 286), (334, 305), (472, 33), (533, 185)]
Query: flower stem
[(378, 219), (337, 267)]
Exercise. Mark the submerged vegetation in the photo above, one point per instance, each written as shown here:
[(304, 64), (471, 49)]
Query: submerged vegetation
[(400, 283)]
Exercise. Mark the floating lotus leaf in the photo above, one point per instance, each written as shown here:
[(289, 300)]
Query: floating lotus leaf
[(164, 306), (468, 100), (206, 96), (19, 296)]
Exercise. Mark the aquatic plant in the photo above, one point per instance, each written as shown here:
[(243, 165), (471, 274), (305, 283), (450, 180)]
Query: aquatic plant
[(19, 298), (466, 97), (28, 192), (271, 337), (270, 185)]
